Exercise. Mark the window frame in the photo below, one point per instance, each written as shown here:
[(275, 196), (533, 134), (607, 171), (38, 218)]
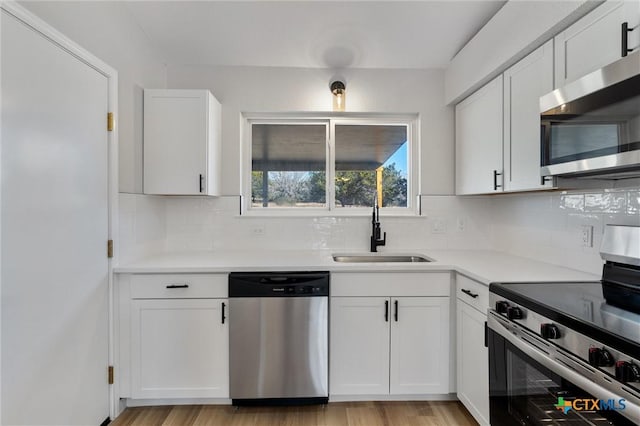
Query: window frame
[(411, 121)]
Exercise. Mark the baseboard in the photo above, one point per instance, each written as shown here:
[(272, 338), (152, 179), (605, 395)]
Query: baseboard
[(430, 397), (177, 401)]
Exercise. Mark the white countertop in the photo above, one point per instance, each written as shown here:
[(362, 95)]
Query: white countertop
[(481, 265)]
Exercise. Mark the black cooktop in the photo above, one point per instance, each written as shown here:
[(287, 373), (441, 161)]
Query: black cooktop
[(580, 306)]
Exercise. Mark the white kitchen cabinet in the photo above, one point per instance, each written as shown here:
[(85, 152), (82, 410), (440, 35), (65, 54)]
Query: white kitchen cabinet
[(180, 349), (178, 345), (596, 40), (479, 167), (389, 342), (419, 345), (359, 359), (472, 355), (182, 142), (498, 129), (524, 84)]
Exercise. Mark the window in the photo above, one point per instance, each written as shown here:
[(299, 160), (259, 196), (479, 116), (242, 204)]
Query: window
[(342, 165)]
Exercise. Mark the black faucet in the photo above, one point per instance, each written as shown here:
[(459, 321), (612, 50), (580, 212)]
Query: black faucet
[(375, 229)]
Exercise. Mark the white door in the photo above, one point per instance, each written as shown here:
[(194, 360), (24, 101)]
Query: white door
[(420, 345), (175, 141), (479, 141), (359, 346), (595, 40), (179, 349), (54, 233), (524, 83), (473, 362)]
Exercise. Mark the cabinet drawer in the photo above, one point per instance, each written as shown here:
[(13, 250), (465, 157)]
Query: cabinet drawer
[(467, 288), (179, 286), (391, 284)]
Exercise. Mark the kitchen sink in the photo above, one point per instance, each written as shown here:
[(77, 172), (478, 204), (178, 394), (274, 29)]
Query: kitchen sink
[(378, 258)]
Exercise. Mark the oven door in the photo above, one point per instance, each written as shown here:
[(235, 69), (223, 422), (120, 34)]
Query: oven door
[(526, 387)]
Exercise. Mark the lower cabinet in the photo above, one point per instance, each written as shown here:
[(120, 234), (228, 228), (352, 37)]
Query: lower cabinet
[(473, 356), (389, 345), (179, 336)]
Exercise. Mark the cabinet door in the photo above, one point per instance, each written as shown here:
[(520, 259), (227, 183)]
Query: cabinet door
[(359, 348), (473, 362), (479, 141), (420, 345), (175, 141), (595, 40), (179, 349), (524, 83)]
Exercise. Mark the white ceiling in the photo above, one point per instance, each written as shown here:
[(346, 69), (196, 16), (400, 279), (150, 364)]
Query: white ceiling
[(312, 34)]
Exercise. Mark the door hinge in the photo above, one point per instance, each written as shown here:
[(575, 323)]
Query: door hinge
[(110, 374), (110, 249), (111, 121)]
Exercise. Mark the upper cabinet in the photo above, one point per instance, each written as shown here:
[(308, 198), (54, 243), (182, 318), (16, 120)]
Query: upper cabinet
[(596, 40), (498, 129), (479, 141), (182, 142), (524, 84)]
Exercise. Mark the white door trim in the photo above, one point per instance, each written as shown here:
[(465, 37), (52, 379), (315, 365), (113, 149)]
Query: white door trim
[(56, 37)]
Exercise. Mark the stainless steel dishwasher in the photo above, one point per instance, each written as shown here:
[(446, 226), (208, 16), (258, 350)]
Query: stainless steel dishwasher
[(278, 336)]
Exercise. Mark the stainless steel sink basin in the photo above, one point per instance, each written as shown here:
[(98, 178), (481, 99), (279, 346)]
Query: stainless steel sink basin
[(378, 258)]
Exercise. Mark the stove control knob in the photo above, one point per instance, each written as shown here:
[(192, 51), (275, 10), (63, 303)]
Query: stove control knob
[(502, 306), (549, 331), (627, 372), (600, 357), (514, 313)]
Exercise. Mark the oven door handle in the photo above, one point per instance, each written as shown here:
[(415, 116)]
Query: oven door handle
[(632, 409)]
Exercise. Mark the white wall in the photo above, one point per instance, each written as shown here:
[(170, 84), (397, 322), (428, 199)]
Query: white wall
[(107, 30), (143, 227), (263, 89)]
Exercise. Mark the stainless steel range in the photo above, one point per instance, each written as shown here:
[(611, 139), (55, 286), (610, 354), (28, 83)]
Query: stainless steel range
[(569, 353)]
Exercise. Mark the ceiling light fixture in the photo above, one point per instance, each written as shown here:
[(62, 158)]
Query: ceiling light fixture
[(338, 90)]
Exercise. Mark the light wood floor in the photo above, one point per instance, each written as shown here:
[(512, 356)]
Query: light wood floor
[(418, 413)]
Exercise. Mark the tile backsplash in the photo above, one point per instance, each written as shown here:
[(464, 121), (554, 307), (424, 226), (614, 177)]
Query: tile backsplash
[(549, 226), (546, 226)]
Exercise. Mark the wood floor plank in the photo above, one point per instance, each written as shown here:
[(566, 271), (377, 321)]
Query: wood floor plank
[(388, 413)]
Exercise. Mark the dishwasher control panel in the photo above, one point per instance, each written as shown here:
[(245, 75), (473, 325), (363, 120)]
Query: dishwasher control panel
[(277, 284), (297, 289)]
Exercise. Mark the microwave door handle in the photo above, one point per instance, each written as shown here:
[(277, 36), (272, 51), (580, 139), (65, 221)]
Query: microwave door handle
[(585, 383)]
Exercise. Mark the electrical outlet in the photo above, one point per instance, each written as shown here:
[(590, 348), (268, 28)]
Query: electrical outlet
[(438, 226), (257, 230), (587, 236)]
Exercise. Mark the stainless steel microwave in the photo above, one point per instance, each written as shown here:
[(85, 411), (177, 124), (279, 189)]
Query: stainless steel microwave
[(591, 127)]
